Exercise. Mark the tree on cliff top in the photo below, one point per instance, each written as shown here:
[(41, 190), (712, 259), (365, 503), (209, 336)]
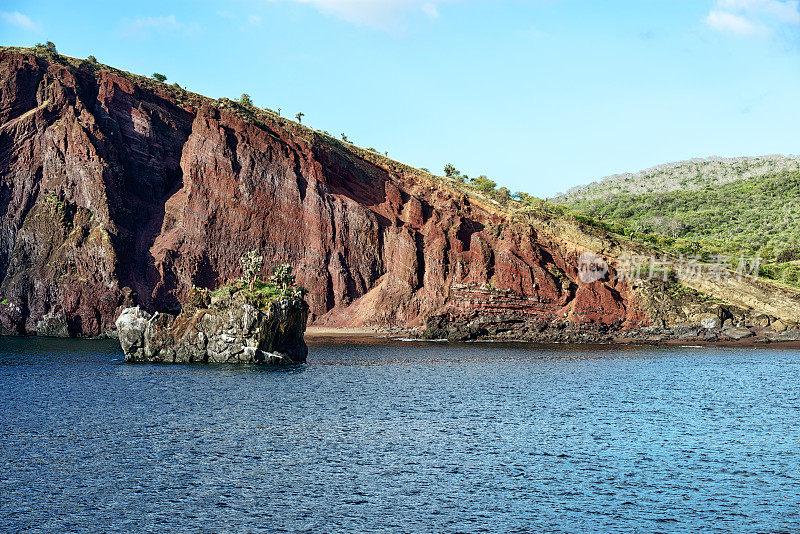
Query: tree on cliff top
[(300, 117), (245, 100), (160, 77), (451, 172), (483, 183), (252, 262), (285, 282)]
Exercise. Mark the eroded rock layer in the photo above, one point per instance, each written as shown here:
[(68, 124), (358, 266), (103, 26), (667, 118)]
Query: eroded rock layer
[(115, 194)]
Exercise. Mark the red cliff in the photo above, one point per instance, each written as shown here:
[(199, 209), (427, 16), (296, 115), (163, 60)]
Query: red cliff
[(117, 191)]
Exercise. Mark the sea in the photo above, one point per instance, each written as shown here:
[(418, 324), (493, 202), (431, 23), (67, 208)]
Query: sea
[(389, 436)]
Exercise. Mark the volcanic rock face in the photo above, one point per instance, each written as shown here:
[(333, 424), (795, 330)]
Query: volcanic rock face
[(115, 194), (233, 332)]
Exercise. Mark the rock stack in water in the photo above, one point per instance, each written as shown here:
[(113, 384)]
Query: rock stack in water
[(217, 329)]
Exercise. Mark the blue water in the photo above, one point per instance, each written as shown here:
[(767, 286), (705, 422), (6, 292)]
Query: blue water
[(402, 438)]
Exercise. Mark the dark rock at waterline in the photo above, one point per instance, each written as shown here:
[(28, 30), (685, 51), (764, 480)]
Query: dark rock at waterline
[(787, 335), (737, 333), (231, 332), (53, 324), (685, 331), (511, 327)]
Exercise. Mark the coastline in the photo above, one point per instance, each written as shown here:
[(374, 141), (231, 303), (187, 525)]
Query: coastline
[(317, 335), (327, 331), (751, 343), (362, 335)]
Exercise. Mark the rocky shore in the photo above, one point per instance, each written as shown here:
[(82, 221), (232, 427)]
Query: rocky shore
[(741, 335), (708, 329), (217, 330)]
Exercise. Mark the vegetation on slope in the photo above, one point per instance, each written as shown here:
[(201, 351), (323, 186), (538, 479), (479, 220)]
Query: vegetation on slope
[(690, 175), (250, 288), (755, 216)]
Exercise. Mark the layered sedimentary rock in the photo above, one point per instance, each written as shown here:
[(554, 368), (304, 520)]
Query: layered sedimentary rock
[(117, 192), (114, 194)]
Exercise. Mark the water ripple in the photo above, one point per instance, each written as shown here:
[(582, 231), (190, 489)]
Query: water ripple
[(402, 437)]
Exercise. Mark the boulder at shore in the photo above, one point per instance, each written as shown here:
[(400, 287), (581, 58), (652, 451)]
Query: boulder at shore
[(227, 331)]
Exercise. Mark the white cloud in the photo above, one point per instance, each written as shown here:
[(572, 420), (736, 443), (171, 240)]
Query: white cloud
[(15, 18), (430, 9), (754, 17), (255, 20), (145, 26), (736, 24), (376, 13), (784, 11)]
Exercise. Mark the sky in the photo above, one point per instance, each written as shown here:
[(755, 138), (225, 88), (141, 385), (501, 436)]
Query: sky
[(540, 95)]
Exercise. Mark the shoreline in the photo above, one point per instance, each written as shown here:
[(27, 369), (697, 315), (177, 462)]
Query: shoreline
[(327, 331), (374, 335), (377, 335)]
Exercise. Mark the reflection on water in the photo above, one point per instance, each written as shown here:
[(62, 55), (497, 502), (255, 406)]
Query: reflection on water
[(404, 437)]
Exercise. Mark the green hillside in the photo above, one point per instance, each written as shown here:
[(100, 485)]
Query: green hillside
[(752, 216)]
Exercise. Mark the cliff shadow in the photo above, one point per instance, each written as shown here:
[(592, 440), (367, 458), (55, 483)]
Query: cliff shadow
[(350, 176), (145, 173)]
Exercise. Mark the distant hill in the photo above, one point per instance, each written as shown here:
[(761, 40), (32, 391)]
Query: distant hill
[(683, 175), (710, 207)]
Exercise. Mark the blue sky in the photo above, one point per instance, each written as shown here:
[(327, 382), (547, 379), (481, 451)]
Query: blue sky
[(540, 95)]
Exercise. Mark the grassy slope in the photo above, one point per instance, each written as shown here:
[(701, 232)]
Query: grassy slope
[(754, 215)]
